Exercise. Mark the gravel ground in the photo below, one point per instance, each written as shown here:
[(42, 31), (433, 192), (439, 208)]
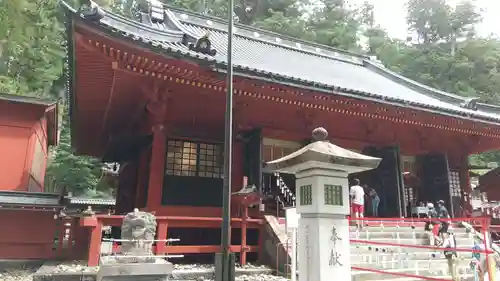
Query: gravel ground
[(26, 273), (18, 274)]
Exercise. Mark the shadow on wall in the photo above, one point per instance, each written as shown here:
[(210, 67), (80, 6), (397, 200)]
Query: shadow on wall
[(274, 250), (17, 239)]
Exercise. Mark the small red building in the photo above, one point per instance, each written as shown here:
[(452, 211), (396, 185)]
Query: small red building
[(490, 183), (28, 126), (150, 94)]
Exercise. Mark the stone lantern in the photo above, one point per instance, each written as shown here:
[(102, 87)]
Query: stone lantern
[(322, 191)]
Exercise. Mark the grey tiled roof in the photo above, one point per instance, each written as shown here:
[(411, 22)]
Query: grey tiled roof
[(91, 201), (26, 99), (29, 199), (259, 51), (273, 57)]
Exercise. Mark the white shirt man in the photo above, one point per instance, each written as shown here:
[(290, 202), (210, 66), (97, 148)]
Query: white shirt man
[(357, 194)]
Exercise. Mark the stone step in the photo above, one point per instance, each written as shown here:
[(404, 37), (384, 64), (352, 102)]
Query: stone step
[(389, 257), (464, 277), (400, 229), (383, 263), (434, 273), (461, 241), (400, 234), (393, 249)]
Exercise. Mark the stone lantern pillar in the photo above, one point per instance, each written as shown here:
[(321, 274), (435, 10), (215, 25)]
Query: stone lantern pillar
[(322, 191)]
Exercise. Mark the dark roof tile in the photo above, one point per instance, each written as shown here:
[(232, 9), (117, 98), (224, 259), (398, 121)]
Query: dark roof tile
[(278, 58), (29, 199)]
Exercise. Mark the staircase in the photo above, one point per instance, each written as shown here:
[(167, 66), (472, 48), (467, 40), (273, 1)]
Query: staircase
[(401, 260), (398, 260)]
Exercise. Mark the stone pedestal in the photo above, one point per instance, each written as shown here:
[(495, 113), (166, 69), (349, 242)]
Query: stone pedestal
[(136, 262), (322, 191), (323, 204), (114, 270), (324, 249)]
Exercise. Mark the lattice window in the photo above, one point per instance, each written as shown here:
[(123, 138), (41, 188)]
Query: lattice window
[(333, 195), (185, 158), (306, 195), (210, 160), (455, 188), (410, 193)]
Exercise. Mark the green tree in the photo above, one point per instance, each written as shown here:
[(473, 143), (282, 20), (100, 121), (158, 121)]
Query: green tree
[(31, 49), (436, 22), (335, 24), (78, 174)]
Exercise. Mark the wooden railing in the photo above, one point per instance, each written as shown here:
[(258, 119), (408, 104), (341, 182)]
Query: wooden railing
[(275, 188), (97, 222), (287, 193)]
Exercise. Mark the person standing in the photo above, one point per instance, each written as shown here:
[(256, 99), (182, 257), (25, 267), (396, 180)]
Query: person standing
[(357, 195), (477, 263), (432, 225), (443, 214), (450, 253), (375, 201)]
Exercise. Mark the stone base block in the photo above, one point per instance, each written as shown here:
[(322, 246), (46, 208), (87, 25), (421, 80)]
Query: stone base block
[(112, 271)]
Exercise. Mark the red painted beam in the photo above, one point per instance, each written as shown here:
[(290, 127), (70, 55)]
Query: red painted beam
[(198, 249)]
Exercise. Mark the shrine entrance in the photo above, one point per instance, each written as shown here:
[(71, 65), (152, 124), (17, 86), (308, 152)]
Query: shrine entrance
[(387, 181)]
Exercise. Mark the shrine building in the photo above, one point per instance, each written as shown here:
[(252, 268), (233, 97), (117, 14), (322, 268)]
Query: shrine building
[(28, 126), (149, 93)]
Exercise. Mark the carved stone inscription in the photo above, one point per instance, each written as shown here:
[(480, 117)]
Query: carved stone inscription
[(334, 260)]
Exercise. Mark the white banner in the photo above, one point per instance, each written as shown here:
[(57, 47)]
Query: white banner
[(292, 218)]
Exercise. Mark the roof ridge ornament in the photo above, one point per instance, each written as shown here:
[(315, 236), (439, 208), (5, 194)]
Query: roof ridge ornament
[(149, 11), (203, 45), (320, 134), (156, 11), (90, 10), (470, 103)]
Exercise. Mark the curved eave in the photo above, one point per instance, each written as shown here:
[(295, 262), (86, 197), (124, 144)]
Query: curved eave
[(50, 108), (180, 51), (277, 78), (216, 24)]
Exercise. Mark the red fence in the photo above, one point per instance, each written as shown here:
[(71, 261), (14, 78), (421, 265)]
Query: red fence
[(27, 234), (95, 224), (405, 253)]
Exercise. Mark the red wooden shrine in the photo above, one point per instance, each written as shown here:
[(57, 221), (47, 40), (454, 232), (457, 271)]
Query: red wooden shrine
[(150, 94), (28, 126)]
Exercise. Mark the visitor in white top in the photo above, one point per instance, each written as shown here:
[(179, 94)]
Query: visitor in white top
[(450, 253), (357, 194)]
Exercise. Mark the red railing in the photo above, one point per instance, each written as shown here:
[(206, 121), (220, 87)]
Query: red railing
[(479, 223), (96, 223)]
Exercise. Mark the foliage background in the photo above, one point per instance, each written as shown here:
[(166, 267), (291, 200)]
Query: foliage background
[(443, 51)]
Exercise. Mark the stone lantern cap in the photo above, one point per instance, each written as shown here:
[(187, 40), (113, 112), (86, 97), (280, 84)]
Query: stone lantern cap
[(324, 154)]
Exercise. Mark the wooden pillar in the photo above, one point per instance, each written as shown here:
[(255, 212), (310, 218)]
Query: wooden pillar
[(95, 244), (157, 168), (141, 178), (244, 226), (466, 188), (161, 234)]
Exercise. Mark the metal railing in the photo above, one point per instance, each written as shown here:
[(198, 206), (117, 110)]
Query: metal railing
[(275, 188)]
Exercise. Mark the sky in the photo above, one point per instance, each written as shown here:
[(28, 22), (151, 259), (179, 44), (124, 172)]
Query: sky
[(391, 15)]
